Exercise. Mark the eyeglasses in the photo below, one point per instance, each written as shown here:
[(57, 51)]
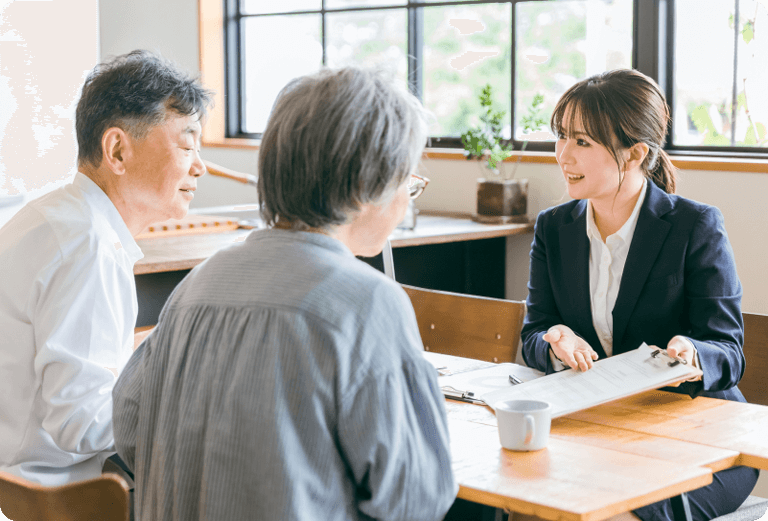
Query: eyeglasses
[(416, 185)]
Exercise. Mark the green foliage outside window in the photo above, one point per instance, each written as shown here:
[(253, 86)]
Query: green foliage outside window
[(700, 114)]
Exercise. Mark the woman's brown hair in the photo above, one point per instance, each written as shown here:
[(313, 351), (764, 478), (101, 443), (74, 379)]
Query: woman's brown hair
[(619, 109)]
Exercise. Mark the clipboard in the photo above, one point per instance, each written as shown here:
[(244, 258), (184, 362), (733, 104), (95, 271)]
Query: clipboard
[(465, 379), (618, 376)]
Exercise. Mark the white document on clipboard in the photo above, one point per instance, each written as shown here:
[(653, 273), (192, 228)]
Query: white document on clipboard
[(465, 379), (609, 379), (488, 379)]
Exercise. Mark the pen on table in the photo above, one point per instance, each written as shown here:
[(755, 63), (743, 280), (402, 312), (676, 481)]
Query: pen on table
[(514, 380)]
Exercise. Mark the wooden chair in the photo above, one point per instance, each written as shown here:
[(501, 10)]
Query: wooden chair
[(104, 498), (754, 383), (754, 386), (462, 325)]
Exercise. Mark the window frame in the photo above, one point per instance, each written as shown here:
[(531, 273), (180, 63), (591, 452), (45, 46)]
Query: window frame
[(652, 54)]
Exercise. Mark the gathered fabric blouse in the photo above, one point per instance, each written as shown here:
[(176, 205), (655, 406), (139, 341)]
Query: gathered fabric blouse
[(286, 380)]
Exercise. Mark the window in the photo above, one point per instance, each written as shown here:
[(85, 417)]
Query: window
[(446, 50), (720, 81)]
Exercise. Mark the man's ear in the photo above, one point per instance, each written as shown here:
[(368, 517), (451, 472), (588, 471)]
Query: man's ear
[(635, 155), (116, 148)]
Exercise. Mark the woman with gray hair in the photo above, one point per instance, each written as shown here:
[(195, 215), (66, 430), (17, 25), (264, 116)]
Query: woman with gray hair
[(285, 379)]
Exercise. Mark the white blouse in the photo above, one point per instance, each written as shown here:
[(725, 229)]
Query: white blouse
[(606, 267)]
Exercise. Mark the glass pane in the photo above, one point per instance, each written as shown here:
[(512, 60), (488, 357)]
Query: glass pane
[(284, 6), (368, 38), (707, 84), (560, 43), (465, 47), (343, 4), (276, 49)]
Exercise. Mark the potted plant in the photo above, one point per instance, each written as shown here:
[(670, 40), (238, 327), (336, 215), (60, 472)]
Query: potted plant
[(500, 197)]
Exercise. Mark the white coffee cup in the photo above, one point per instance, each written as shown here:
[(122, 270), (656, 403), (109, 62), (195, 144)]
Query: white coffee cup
[(523, 424)]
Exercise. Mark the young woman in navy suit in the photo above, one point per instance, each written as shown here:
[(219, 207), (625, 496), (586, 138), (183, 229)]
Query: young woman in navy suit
[(627, 262)]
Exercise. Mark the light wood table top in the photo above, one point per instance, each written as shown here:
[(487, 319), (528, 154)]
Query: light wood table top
[(187, 251), (589, 470), (724, 424), (608, 436), (564, 481)]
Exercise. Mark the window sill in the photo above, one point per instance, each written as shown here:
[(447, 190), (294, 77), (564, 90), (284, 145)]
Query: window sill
[(758, 166)]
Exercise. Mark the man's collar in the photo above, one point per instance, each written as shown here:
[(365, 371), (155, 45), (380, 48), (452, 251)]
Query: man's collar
[(104, 205)]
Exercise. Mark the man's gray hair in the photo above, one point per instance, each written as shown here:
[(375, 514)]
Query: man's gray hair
[(335, 140), (135, 92)]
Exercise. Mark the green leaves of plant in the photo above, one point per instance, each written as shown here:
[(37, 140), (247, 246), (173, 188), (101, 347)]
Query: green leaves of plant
[(486, 142), (534, 120)]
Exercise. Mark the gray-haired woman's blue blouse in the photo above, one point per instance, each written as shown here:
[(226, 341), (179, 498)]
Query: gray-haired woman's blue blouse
[(285, 380)]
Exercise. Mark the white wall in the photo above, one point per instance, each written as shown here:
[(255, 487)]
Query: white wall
[(43, 63)]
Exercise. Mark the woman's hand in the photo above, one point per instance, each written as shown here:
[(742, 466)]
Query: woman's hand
[(571, 349), (682, 348)]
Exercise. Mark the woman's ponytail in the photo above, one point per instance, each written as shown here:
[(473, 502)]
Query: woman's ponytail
[(664, 173)]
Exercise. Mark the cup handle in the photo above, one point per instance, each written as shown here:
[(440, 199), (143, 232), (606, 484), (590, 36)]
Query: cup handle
[(529, 429)]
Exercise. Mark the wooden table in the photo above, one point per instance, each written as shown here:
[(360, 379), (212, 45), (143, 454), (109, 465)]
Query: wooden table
[(187, 251), (608, 459), (741, 427), (568, 480), (448, 252)]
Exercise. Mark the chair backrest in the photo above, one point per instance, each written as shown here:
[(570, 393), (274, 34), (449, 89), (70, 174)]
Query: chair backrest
[(463, 325), (104, 498), (754, 383)]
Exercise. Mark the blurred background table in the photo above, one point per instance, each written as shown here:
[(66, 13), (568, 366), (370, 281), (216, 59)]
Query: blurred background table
[(448, 252)]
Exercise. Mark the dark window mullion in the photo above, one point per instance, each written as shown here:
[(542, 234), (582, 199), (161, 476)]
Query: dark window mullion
[(513, 72), (234, 60), (323, 26), (416, 51), (667, 53), (653, 47)]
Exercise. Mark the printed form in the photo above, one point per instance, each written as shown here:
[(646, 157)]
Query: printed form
[(609, 379)]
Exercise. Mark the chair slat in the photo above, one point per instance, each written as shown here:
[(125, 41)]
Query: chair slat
[(754, 383), (104, 498), (469, 326)]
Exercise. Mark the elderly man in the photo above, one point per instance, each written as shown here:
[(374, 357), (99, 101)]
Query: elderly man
[(67, 293)]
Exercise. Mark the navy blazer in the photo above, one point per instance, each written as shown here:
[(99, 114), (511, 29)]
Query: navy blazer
[(679, 279)]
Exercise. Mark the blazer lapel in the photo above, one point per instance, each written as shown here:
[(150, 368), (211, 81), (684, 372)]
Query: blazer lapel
[(574, 251), (649, 236)]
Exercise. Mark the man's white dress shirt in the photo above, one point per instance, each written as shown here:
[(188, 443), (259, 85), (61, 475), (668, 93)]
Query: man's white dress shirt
[(67, 312)]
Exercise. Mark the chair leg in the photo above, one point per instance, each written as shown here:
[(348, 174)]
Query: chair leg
[(686, 506), (493, 514)]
